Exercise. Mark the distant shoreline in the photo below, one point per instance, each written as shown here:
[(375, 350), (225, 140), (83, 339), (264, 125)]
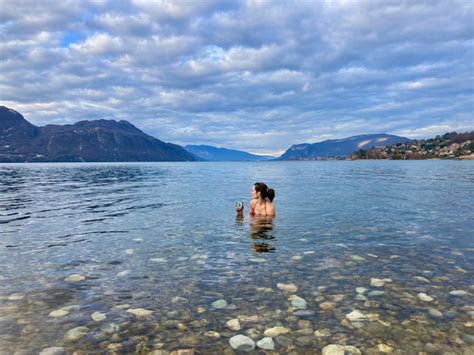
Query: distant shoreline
[(468, 158)]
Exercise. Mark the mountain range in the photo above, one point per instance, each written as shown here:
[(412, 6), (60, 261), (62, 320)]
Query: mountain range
[(210, 153), (84, 141), (114, 141), (339, 147)]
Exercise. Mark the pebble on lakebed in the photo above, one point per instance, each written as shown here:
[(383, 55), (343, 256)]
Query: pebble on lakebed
[(200, 309), (16, 296), (384, 348), (212, 334), (219, 304), (374, 282), (58, 313), (297, 302), (54, 350), (75, 278), (291, 288), (458, 293), (327, 306), (336, 349), (76, 333), (424, 297), (98, 316), (242, 343), (233, 324), (355, 316), (140, 312), (266, 344), (276, 331), (322, 333)]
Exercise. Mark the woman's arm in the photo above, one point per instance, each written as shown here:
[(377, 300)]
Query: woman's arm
[(252, 204)]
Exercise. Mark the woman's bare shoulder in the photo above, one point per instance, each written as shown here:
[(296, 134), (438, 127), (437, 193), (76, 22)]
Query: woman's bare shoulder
[(271, 209)]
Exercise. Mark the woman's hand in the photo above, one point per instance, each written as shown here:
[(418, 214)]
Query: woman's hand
[(240, 211)]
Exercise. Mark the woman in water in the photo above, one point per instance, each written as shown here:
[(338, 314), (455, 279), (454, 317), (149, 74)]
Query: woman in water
[(262, 201)]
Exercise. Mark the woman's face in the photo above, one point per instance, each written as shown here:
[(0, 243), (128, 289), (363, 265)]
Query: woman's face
[(255, 194)]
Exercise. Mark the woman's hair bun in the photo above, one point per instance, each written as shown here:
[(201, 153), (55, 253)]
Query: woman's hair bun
[(270, 194)]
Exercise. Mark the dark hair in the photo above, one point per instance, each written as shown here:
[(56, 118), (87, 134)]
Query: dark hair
[(265, 191)]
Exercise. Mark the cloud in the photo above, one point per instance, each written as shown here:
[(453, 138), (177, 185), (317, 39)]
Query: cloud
[(252, 75)]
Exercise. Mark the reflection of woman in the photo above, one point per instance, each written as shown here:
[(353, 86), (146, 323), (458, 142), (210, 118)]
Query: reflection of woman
[(262, 201), (261, 228)]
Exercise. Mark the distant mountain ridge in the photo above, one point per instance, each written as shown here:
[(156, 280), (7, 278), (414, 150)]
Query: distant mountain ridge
[(88, 141), (210, 153), (339, 147)]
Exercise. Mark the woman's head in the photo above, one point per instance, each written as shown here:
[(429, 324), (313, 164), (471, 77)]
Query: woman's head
[(261, 190)]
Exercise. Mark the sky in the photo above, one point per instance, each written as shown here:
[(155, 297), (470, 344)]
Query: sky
[(252, 75)]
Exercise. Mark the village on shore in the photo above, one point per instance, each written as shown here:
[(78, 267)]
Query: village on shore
[(448, 146)]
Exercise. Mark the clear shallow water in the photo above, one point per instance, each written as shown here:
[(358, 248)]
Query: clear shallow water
[(164, 237)]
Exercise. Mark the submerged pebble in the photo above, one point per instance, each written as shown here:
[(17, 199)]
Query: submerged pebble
[(16, 296), (355, 315), (212, 334), (140, 312), (338, 298), (264, 289), (374, 282), (424, 297), (58, 313), (114, 347), (189, 340), (178, 299), (109, 328), (123, 273), (54, 350), (75, 278), (76, 334), (158, 260), (248, 319), (291, 288), (435, 313), (336, 349), (322, 333), (297, 302), (98, 316), (327, 306), (384, 348), (422, 279), (459, 293), (304, 313), (233, 324), (468, 338), (357, 258), (361, 297), (375, 293), (241, 342), (219, 304), (275, 331), (266, 344)]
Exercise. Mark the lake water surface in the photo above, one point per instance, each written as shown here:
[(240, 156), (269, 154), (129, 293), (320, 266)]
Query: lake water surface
[(133, 257)]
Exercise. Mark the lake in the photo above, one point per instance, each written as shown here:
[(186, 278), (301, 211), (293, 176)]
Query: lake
[(373, 256)]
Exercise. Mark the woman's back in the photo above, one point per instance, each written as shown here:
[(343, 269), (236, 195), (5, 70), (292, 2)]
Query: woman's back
[(261, 208)]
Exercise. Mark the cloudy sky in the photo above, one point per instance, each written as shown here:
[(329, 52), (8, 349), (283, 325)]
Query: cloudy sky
[(252, 75)]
